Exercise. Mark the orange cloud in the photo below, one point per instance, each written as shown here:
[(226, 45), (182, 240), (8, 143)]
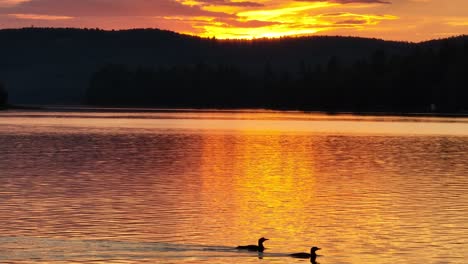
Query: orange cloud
[(298, 18), (389, 19), (230, 3), (9, 3), (349, 1), (91, 8), (39, 17)]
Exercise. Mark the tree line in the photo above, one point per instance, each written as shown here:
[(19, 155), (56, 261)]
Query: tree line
[(3, 96), (424, 80), (58, 62)]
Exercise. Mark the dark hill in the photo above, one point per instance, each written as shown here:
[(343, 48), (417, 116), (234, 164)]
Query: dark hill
[(3, 97), (150, 67), (54, 66)]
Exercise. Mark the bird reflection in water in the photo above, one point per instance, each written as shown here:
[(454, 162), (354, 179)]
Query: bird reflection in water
[(260, 255)]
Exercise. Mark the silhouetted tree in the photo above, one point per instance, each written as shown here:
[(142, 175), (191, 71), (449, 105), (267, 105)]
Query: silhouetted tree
[(3, 96)]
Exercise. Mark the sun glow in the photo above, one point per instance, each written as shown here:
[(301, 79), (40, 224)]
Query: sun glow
[(284, 11), (281, 19), (413, 20), (252, 33)]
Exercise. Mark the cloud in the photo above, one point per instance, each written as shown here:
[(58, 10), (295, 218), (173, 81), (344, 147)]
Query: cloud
[(246, 24), (39, 17), (231, 3), (352, 22), (349, 1), (100, 8), (360, 1), (8, 3), (391, 19)]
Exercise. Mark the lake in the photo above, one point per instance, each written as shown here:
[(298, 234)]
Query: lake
[(188, 186)]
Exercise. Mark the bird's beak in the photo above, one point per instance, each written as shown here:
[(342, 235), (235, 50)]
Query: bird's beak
[(266, 239), (318, 248)]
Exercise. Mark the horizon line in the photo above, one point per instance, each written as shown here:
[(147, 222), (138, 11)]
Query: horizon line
[(238, 39)]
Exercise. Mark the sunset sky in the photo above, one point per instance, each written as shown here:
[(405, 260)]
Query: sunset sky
[(412, 20)]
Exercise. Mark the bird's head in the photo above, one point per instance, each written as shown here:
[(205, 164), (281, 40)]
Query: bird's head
[(313, 249)]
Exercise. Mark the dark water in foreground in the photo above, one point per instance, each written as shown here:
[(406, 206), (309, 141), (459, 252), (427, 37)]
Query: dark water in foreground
[(187, 187)]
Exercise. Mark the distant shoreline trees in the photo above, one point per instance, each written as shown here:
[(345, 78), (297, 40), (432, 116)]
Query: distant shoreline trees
[(425, 80), (3, 96), (166, 69)]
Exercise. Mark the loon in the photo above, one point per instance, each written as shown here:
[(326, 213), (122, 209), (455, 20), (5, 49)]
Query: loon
[(259, 248), (312, 254)]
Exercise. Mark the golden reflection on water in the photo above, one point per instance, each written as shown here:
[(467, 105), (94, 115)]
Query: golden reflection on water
[(161, 194), (259, 179)]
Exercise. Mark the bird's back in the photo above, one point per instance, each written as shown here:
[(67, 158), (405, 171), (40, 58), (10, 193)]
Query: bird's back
[(249, 247), (300, 255)]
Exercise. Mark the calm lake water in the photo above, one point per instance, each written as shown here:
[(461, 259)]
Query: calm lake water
[(187, 187)]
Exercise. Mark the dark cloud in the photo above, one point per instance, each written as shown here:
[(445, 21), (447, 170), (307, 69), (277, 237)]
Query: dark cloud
[(333, 14), (246, 24), (351, 22), (100, 8), (361, 1), (350, 1), (230, 3)]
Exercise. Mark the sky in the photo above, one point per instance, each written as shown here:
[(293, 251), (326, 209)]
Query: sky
[(406, 20)]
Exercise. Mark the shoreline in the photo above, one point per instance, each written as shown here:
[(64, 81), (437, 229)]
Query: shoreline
[(132, 109)]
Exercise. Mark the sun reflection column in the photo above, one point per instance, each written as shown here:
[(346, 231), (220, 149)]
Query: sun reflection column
[(258, 183)]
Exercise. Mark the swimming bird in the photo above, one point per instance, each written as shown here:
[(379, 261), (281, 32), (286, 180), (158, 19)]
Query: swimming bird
[(259, 247), (312, 255)]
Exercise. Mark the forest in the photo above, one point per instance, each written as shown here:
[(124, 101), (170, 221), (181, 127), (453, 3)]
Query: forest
[(157, 68), (425, 79), (3, 96), (54, 65)]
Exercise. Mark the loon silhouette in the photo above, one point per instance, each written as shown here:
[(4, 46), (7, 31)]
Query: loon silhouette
[(259, 247), (312, 255)]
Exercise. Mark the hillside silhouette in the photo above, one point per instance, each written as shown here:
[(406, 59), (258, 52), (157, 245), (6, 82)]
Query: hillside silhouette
[(3, 97), (149, 67)]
